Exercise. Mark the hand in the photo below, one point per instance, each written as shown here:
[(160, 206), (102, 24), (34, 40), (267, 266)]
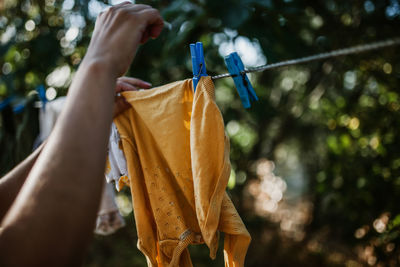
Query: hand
[(118, 33), (126, 84)]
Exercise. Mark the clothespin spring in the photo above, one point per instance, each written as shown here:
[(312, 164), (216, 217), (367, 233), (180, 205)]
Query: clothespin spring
[(198, 74)]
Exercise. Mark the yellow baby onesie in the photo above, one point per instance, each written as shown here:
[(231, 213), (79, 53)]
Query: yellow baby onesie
[(178, 163)]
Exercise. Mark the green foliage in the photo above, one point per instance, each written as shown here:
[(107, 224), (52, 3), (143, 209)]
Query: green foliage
[(331, 127)]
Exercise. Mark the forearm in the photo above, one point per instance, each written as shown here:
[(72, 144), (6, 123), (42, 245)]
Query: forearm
[(61, 195), (53, 216), (12, 182)]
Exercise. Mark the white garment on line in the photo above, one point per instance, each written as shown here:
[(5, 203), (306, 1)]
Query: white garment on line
[(48, 117), (116, 169), (109, 219)]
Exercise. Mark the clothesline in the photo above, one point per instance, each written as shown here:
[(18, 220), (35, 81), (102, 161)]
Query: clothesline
[(335, 53)]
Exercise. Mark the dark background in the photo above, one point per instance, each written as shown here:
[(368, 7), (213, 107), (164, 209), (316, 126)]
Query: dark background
[(316, 162)]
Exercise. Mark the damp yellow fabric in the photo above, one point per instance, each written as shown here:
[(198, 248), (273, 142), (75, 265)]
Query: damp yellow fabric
[(178, 164)]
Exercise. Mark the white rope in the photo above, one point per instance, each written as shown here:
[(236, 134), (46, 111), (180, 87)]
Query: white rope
[(335, 53)]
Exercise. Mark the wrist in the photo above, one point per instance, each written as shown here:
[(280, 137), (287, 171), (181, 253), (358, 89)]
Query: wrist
[(98, 66)]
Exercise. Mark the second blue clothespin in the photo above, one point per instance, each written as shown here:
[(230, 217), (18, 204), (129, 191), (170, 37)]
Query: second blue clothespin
[(15, 108), (42, 95), (6, 102), (243, 85), (198, 63)]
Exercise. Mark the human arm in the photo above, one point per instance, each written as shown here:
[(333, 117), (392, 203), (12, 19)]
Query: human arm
[(51, 220), (12, 182)]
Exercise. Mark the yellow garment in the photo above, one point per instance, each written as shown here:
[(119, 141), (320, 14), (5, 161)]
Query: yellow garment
[(178, 164)]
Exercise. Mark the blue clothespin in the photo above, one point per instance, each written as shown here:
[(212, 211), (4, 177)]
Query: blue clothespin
[(198, 64), (42, 95), (243, 85), (6, 102), (17, 108)]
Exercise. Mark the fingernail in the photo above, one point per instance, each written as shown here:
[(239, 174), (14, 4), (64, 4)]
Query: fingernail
[(148, 84)]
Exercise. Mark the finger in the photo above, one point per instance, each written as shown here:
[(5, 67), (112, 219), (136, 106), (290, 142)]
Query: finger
[(155, 22), (127, 7), (124, 3), (123, 86), (115, 7), (136, 7), (136, 82), (150, 16), (145, 37), (156, 30), (120, 106)]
